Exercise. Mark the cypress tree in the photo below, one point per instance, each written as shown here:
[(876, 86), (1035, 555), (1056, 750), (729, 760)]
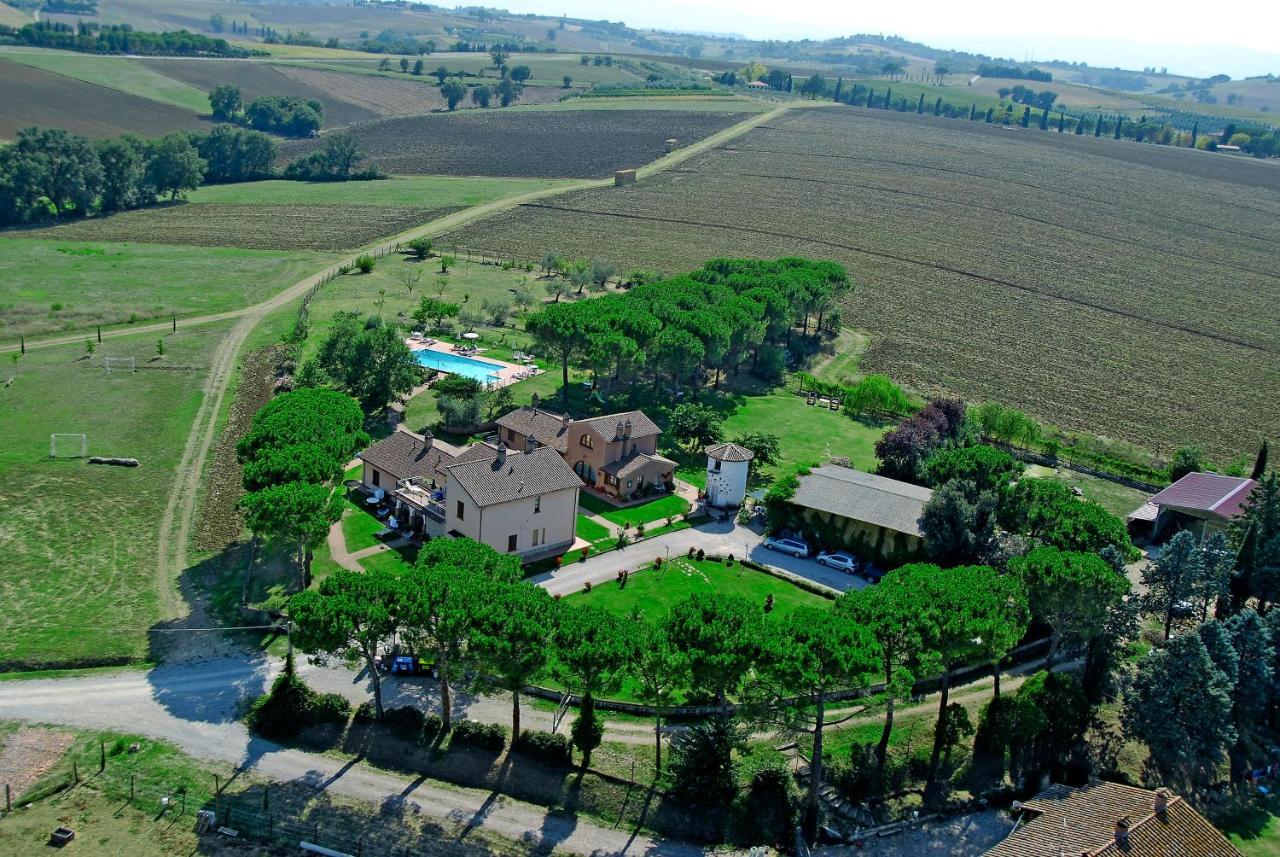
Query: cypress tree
[(1026, 117), (1260, 463), (1044, 120), (1080, 126), (1195, 132), (990, 115), (973, 112), (1097, 129), (839, 88), (888, 98), (920, 105), (1119, 126), (1062, 122), (937, 106), (871, 97), (789, 83)]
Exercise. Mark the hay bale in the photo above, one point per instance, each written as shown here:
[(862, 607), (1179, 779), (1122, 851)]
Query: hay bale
[(623, 177), (671, 144), (114, 462)]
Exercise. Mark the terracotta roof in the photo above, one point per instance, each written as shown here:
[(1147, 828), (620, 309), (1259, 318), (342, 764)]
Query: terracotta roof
[(862, 496), (545, 427), (405, 455), (1082, 821), (634, 463), (729, 452), (476, 452), (607, 425), (491, 481), (1211, 493)]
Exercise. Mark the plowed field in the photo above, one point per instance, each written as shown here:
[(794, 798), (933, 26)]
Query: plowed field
[(1103, 286)]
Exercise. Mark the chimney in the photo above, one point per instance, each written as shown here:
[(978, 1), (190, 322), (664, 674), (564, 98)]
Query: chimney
[(1122, 832), (627, 428), (564, 421), (534, 400), (617, 433), (502, 455), (1162, 802)]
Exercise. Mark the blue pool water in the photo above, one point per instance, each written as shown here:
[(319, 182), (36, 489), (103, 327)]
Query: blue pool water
[(457, 365)]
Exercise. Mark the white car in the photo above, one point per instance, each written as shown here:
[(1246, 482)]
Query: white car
[(795, 547), (838, 560)]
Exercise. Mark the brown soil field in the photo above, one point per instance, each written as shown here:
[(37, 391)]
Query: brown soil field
[(1105, 287), (253, 227), (29, 96), (496, 142)]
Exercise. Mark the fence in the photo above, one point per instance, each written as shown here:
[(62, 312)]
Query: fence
[(280, 814)]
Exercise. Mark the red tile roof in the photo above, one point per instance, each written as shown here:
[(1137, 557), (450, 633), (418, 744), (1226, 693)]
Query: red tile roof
[(1221, 496)]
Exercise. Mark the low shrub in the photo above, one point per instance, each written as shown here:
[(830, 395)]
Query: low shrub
[(406, 722), (329, 708), (291, 706), (482, 736), (365, 712), (544, 747), (365, 263)]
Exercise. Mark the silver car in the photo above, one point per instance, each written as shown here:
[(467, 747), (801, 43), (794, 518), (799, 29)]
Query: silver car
[(795, 547), (838, 560)]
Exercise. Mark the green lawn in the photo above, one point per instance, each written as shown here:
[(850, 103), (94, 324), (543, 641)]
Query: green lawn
[(591, 531), (808, 434), (1253, 825), (660, 509), (1118, 499), (48, 285), (392, 560), (408, 192), (653, 592), (79, 541), (358, 527), (119, 73)]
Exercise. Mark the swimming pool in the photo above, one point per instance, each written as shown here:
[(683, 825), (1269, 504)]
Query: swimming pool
[(455, 364)]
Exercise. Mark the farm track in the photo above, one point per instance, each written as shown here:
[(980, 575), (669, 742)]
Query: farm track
[(174, 537), (1043, 292), (963, 203)]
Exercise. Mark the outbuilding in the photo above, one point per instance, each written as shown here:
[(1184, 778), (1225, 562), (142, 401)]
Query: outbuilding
[(727, 469), (1204, 503), (871, 515)]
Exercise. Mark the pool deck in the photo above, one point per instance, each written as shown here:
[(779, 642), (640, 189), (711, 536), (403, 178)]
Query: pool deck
[(508, 373)]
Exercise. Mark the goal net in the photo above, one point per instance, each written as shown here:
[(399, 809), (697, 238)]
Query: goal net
[(68, 445), (119, 364)]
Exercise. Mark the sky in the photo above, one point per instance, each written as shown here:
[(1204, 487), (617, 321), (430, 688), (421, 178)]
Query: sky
[(1240, 38)]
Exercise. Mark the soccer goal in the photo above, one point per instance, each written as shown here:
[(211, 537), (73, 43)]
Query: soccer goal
[(119, 364), (68, 445)]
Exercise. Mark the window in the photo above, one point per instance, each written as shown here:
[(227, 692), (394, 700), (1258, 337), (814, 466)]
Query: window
[(511, 543), (461, 511), (534, 538), (585, 440), (717, 467), (377, 478), (537, 504)]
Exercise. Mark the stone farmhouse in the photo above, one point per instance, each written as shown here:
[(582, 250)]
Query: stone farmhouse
[(616, 455)]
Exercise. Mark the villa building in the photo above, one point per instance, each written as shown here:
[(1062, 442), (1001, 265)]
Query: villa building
[(614, 455)]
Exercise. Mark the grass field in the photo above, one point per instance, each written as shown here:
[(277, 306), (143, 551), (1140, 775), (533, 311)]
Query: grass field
[(541, 144), (134, 77), (79, 541), (52, 285), (1253, 825), (660, 509), (404, 192), (988, 263), (252, 227), (652, 592), (808, 434)]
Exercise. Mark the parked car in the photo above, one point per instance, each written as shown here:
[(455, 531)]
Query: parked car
[(872, 573), (795, 547), (838, 560)]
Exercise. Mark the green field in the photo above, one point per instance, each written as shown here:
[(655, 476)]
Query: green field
[(51, 285), (652, 592), (1253, 825), (407, 192), (118, 73), (79, 541), (592, 531)]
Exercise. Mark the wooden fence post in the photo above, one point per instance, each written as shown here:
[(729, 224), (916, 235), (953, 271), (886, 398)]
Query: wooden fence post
[(131, 788), (75, 772), (8, 798), (102, 756)]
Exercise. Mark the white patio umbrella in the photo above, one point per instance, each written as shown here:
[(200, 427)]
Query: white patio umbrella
[(471, 335)]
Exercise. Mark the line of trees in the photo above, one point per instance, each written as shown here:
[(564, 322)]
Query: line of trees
[(293, 454), (720, 318), (94, 38)]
